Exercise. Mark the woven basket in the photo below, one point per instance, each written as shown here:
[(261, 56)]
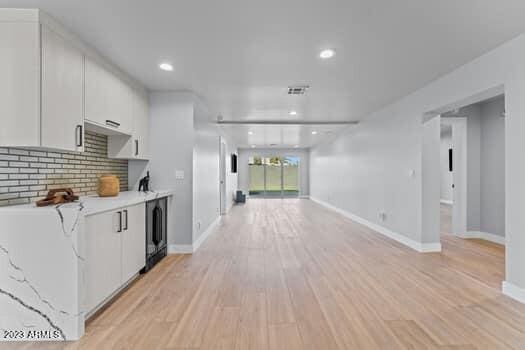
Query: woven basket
[(108, 186)]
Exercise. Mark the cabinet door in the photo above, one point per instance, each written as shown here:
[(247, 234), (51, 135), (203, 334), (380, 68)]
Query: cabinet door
[(142, 127), (136, 146), (19, 84), (95, 86), (107, 98), (133, 241), (62, 119), (121, 105), (103, 257)]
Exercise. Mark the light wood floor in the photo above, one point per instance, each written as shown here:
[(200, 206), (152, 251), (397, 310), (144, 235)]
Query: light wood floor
[(289, 274)]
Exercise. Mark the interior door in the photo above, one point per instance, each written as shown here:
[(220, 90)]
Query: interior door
[(62, 93), (222, 177), (459, 176)]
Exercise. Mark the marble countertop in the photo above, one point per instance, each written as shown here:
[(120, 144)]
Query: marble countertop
[(93, 204)]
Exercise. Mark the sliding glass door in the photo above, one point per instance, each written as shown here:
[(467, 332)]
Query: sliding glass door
[(256, 172), (290, 176), (274, 177)]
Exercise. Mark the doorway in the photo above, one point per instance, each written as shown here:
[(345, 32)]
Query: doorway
[(472, 188), (274, 176), (473, 169)]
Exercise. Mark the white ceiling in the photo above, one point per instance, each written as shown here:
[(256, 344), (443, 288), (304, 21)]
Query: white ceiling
[(240, 55)]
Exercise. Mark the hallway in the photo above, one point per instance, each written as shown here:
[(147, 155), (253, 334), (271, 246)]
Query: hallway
[(290, 274)]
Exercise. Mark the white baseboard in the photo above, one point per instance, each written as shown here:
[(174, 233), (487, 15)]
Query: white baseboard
[(485, 235), (211, 228), (418, 246), (446, 201), (513, 291), (192, 248), (180, 249), (428, 247), (304, 196)]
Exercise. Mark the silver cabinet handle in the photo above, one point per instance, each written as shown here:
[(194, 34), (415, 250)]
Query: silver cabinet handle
[(112, 123), (119, 221), (126, 220), (136, 147), (79, 136)]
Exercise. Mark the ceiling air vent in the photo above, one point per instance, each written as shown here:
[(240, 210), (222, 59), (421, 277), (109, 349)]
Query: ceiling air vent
[(297, 89)]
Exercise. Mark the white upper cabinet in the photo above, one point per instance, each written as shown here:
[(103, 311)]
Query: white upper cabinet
[(41, 84), (62, 93), (53, 87), (136, 146), (141, 128), (19, 82), (96, 98), (108, 99)]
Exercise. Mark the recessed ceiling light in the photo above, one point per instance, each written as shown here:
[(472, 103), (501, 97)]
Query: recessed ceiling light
[(166, 66), (292, 113), (250, 132), (253, 146), (314, 132), (328, 53)]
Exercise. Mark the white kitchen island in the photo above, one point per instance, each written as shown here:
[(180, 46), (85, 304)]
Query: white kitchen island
[(44, 265)]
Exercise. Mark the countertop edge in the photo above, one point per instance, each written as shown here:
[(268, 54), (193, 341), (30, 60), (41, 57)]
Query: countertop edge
[(117, 203), (92, 205)]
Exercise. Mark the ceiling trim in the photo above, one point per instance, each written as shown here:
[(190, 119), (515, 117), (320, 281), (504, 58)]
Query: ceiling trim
[(285, 122)]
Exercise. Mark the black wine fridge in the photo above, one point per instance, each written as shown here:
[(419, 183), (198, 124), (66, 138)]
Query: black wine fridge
[(156, 231)]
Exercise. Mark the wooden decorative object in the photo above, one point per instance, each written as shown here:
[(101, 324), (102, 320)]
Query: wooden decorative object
[(58, 196), (108, 186)]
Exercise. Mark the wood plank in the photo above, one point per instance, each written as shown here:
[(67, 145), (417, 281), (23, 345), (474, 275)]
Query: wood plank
[(285, 337), (252, 331)]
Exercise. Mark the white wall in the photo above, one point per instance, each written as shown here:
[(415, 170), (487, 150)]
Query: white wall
[(446, 175), (431, 182), (364, 171), (181, 138), (304, 165), (472, 114), (492, 172), (171, 149), (206, 195)]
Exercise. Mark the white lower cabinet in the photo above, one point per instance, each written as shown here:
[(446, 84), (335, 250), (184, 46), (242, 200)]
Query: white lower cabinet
[(115, 251)]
